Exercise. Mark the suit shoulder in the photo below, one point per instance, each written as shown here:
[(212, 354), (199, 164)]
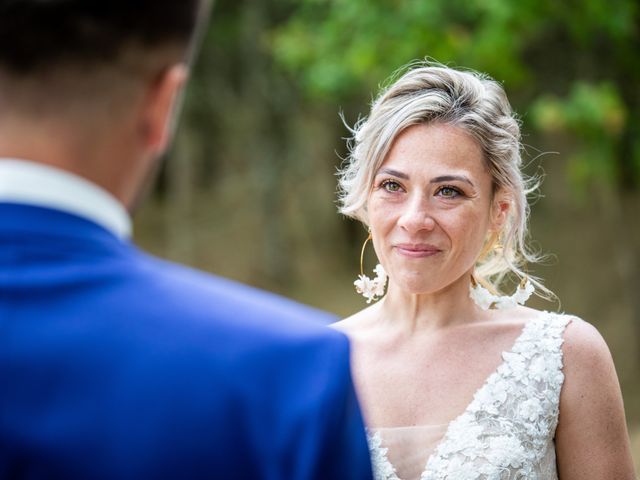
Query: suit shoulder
[(196, 294)]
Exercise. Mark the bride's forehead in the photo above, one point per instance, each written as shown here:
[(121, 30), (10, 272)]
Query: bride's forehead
[(434, 144), (429, 157)]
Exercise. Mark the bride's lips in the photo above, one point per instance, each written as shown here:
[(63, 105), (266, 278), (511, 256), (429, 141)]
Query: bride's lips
[(416, 250)]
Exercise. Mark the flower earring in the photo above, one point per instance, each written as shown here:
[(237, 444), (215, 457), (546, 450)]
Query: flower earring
[(371, 289), (486, 300)]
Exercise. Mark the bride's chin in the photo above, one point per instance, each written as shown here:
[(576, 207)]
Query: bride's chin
[(421, 284), (415, 287)]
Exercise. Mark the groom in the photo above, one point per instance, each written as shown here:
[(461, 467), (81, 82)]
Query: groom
[(114, 364)]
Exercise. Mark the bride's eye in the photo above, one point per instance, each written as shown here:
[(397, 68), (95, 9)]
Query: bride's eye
[(448, 191), (391, 186)]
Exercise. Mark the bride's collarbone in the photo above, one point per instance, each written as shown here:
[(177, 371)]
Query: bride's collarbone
[(431, 381), (473, 339)]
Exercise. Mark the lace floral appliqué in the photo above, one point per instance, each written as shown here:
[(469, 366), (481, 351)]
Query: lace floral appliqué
[(382, 468), (507, 430)]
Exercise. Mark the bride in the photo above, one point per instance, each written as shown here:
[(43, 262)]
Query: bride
[(456, 381)]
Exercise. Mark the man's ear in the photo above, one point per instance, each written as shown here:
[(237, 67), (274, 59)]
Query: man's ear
[(161, 100), (500, 208)]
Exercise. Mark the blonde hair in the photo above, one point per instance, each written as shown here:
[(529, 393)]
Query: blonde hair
[(473, 102)]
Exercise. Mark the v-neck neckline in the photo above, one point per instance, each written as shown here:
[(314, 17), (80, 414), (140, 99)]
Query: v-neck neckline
[(490, 378)]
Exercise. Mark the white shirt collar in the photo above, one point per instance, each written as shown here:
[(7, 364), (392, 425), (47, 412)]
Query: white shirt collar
[(32, 183)]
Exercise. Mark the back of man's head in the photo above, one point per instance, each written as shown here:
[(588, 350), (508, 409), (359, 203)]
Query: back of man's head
[(54, 50), (90, 86), (39, 34)]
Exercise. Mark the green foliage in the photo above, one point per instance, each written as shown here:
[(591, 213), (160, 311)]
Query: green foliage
[(357, 43), (593, 113), (572, 64)]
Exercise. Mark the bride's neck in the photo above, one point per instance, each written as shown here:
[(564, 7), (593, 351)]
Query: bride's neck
[(413, 313)]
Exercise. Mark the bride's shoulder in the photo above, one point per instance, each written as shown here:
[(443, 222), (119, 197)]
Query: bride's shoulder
[(584, 347), (591, 405), (579, 336), (587, 362), (358, 322)]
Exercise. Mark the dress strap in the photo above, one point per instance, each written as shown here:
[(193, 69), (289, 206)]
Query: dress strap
[(536, 364), (543, 335)]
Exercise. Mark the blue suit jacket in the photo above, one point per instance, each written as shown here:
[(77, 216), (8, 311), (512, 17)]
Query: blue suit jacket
[(116, 365)]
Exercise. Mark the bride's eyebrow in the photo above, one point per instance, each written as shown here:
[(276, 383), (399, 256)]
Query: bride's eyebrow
[(452, 178), (393, 173)]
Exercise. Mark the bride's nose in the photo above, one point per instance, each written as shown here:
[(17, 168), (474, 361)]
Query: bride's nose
[(416, 215)]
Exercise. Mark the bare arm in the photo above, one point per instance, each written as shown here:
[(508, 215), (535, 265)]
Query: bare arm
[(591, 439)]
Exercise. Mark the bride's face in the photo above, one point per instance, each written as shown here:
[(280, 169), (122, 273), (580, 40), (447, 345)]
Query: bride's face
[(431, 207)]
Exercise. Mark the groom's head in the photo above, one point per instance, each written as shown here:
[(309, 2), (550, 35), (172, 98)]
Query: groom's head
[(82, 81)]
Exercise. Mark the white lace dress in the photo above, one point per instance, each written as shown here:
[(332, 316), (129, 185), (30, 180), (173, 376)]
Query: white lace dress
[(507, 431)]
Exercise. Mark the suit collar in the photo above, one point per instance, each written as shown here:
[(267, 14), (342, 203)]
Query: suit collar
[(30, 183), (27, 225)]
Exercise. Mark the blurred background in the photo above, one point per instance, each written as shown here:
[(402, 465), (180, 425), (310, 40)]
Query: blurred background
[(248, 191)]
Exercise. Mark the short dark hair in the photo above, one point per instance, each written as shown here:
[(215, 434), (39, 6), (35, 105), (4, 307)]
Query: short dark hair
[(38, 35)]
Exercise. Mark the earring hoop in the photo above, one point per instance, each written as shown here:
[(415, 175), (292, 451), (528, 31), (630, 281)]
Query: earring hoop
[(371, 289), (364, 246)]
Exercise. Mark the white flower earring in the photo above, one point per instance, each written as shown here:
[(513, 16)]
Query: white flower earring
[(371, 289), (486, 300)]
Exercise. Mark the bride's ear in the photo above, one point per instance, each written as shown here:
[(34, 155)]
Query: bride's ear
[(500, 208)]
